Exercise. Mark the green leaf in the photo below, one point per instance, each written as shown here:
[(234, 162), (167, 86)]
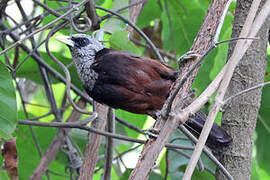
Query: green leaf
[(267, 73), (4, 175), (27, 151), (215, 60), (119, 40), (126, 174), (162, 165), (185, 23), (59, 172), (254, 170), (136, 119), (222, 50), (202, 79), (150, 12), (155, 176), (114, 24), (263, 132), (199, 175), (8, 105), (103, 3)]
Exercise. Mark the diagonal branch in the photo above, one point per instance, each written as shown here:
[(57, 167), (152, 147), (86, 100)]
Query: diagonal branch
[(55, 146), (250, 29), (202, 42)]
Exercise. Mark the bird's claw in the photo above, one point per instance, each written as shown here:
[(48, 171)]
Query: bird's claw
[(151, 133), (190, 55)]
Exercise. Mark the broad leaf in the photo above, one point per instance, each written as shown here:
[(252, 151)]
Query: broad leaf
[(263, 132), (135, 119), (8, 105), (114, 24), (150, 12), (4, 174), (185, 23), (119, 40), (27, 152)]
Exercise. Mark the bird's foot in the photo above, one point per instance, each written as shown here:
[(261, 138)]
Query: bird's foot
[(155, 114), (190, 55), (158, 113), (151, 133)]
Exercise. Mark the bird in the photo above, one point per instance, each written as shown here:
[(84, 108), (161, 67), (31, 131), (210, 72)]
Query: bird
[(126, 81)]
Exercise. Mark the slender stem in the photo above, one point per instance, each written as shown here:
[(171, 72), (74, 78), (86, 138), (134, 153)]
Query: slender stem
[(138, 30), (90, 129)]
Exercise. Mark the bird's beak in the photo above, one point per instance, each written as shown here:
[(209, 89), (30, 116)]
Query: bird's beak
[(65, 39)]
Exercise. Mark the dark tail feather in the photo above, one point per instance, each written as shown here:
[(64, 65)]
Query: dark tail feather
[(218, 137)]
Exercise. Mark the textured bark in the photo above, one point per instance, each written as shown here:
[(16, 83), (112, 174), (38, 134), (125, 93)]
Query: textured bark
[(201, 43), (92, 147), (3, 5), (92, 14), (109, 146), (134, 13), (241, 113)]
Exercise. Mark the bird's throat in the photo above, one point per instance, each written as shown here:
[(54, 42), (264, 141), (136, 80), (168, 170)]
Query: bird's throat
[(86, 74)]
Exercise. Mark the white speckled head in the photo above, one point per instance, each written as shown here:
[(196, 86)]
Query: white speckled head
[(82, 47), (85, 46)]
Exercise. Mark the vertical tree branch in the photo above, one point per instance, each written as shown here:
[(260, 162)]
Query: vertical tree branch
[(240, 114), (93, 145), (250, 29), (134, 12), (202, 42), (109, 145), (92, 14)]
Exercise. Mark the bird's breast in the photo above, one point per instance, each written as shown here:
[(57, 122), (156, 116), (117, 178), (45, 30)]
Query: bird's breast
[(89, 78)]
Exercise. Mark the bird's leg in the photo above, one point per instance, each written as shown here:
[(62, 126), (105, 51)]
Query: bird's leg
[(157, 113), (190, 55), (152, 132)]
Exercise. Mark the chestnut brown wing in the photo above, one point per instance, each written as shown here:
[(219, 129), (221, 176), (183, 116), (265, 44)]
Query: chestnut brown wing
[(141, 85), (131, 83)]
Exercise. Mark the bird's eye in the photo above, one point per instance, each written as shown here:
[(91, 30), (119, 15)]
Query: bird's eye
[(83, 42)]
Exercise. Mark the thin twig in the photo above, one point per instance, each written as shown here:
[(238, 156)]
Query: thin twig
[(154, 147), (161, 51), (19, 42), (64, 68), (138, 30), (245, 91), (90, 129), (92, 14), (55, 144), (57, 75), (207, 152), (129, 125), (250, 29)]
